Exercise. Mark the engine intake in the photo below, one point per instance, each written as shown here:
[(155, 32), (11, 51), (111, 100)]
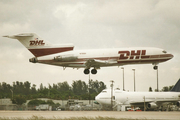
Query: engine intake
[(152, 105), (65, 58), (178, 103), (33, 60)]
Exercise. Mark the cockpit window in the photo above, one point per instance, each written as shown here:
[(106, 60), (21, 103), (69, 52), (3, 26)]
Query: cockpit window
[(164, 51), (104, 91)]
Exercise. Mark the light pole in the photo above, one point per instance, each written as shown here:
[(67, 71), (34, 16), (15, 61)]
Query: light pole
[(123, 78), (12, 93), (157, 80), (134, 81), (89, 88), (156, 68), (112, 94)]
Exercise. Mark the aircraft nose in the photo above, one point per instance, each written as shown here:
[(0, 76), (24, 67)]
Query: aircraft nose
[(171, 56), (97, 98), (103, 100), (168, 56)]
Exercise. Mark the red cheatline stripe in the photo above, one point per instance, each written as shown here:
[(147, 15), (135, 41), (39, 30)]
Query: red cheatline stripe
[(48, 51), (143, 61)]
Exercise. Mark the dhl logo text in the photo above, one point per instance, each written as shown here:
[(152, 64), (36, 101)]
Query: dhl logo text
[(36, 42), (132, 54)]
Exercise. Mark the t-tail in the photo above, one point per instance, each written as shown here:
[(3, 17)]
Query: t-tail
[(38, 46), (176, 88)]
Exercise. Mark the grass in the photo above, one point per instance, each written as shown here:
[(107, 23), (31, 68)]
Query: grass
[(72, 118)]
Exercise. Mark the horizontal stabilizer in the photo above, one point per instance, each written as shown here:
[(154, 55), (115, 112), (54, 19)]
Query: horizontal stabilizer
[(19, 35)]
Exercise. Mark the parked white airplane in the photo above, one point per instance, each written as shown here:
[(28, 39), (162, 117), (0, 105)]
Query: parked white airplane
[(151, 100), (65, 56)]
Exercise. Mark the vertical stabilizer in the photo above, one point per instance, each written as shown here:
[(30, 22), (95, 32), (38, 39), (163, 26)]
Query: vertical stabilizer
[(176, 88), (38, 46)]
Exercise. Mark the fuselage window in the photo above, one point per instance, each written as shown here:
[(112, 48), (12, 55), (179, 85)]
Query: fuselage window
[(104, 91)]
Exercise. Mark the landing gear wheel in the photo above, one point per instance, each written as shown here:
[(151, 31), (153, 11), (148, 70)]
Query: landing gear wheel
[(93, 71), (86, 71), (155, 67)]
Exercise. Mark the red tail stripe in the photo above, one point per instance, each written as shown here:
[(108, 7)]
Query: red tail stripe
[(48, 51)]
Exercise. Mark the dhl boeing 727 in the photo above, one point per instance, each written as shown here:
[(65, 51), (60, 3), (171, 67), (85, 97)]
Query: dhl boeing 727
[(64, 55)]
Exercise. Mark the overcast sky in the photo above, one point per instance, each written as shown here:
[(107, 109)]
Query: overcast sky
[(88, 25)]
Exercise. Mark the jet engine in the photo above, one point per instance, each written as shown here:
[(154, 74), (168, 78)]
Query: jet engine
[(178, 103), (152, 105), (33, 60), (65, 58)]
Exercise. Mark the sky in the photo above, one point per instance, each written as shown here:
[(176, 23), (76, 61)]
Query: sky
[(92, 24)]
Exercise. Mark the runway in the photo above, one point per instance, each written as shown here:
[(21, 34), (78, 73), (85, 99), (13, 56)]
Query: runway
[(92, 114)]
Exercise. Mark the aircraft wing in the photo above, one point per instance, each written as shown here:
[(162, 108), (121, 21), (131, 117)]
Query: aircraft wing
[(158, 103), (148, 101), (138, 103), (134, 102), (98, 63)]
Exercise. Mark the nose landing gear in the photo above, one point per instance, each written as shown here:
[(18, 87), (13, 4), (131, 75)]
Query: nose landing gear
[(155, 67)]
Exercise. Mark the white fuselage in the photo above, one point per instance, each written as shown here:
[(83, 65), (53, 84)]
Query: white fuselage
[(136, 98), (107, 57)]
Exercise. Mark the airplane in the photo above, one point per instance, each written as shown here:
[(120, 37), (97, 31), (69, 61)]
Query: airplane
[(64, 55), (148, 100)]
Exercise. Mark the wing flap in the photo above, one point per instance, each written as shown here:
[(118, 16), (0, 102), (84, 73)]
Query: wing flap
[(97, 63)]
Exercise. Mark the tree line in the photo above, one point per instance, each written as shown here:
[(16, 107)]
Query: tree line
[(19, 92), (164, 89), (22, 91)]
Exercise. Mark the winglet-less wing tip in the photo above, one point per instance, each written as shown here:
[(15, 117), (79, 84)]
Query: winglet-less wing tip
[(6, 36)]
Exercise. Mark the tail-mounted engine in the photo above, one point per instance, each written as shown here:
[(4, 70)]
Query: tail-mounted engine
[(33, 60), (65, 58)]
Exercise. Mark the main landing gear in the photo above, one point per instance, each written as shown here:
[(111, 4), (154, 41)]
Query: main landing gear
[(93, 71)]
